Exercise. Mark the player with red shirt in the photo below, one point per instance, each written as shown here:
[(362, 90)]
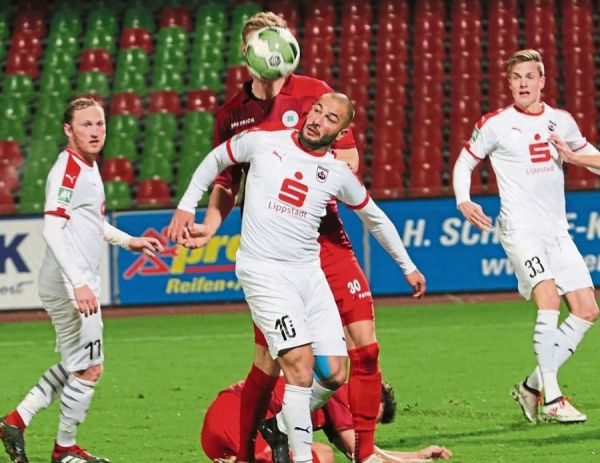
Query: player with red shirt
[(283, 103), (220, 431)]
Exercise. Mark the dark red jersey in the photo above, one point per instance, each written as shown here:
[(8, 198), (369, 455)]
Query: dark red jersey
[(288, 109)]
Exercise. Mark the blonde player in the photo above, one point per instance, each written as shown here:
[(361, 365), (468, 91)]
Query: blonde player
[(292, 176), (69, 285), (533, 225)]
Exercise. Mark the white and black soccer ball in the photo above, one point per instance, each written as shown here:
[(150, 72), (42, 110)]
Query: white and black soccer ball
[(272, 52)]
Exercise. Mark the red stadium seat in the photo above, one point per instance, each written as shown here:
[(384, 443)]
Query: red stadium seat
[(387, 176), (201, 100), (7, 203), (236, 76), (153, 193), (126, 103), (21, 62), (318, 69), (425, 180), (324, 9), (394, 7), (96, 60), (287, 9), (9, 177), (137, 38), (118, 169), (31, 21), (10, 153), (176, 16), (28, 41), (164, 101)]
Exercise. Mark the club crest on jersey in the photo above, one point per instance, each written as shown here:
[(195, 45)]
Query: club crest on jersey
[(290, 118), (474, 135), (322, 173), (64, 196), (551, 126)]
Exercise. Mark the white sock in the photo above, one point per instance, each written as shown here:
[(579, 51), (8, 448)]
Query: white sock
[(544, 338), (296, 414), (47, 389), (319, 395), (570, 334), (74, 403)]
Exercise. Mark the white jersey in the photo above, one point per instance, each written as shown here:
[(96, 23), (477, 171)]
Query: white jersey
[(74, 190), (528, 169), (286, 194)]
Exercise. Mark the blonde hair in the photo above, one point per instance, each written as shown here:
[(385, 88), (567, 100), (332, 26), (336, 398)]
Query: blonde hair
[(79, 103), (523, 56), (260, 20)]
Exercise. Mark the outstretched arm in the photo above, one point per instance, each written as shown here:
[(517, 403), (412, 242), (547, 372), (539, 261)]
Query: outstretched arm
[(146, 244), (433, 451), (461, 182)]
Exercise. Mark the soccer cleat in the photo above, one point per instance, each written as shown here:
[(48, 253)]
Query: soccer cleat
[(74, 454), (561, 411), (528, 398), (276, 439), (14, 444)]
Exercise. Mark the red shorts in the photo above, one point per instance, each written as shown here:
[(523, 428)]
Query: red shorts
[(348, 284)]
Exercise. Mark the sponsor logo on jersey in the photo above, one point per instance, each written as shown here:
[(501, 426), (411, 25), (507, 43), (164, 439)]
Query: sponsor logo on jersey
[(236, 124), (71, 178), (516, 129), (277, 155), (290, 118), (551, 126), (292, 191), (64, 196), (474, 135), (322, 174)]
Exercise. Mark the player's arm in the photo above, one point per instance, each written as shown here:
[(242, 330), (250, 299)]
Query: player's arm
[(588, 156), (461, 182), (146, 244), (53, 234), (431, 452), (349, 156)]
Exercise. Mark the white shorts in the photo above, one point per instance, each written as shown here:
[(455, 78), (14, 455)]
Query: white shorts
[(292, 305), (538, 257), (78, 338)]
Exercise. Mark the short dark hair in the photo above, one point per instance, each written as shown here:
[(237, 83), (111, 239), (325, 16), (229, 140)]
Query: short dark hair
[(81, 102), (389, 403)]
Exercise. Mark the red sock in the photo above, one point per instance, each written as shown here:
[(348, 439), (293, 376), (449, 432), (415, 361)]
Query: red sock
[(14, 419), (364, 393), (256, 395)]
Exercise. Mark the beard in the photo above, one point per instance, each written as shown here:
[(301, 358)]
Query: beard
[(314, 145)]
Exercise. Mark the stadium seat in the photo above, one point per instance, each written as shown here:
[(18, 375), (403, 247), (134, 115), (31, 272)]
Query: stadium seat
[(153, 193), (21, 62), (130, 81), (118, 195), (12, 129), (13, 108), (167, 79), (236, 76), (156, 167), (96, 60), (138, 18), (93, 83), (211, 14), (163, 123), (118, 169), (28, 41), (102, 19), (56, 84), (166, 101), (65, 22), (10, 153), (137, 38), (30, 21), (65, 44), (201, 100), (99, 38), (126, 103), (31, 197), (124, 125), (172, 37), (120, 147), (19, 86), (176, 16), (59, 63), (7, 203), (9, 177), (158, 146), (47, 127)]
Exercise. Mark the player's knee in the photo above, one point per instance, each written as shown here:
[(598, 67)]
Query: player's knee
[(330, 371), (91, 374), (364, 360), (589, 314)]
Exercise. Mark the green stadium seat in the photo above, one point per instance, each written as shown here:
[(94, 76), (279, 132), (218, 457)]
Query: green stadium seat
[(118, 195), (194, 150), (12, 129), (130, 81), (198, 121), (170, 58), (49, 103), (98, 38), (124, 125), (4, 25), (120, 147), (102, 19), (31, 199), (47, 127), (93, 83), (166, 79), (211, 14), (13, 108), (173, 37), (58, 85), (66, 22), (133, 59), (138, 18), (204, 75), (43, 150), (158, 146), (18, 86), (59, 63), (161, 123), (65, 44), (156, 167), (36, 170), (242, 12)]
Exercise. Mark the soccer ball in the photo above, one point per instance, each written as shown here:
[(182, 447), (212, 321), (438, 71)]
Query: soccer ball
[(272, 52)]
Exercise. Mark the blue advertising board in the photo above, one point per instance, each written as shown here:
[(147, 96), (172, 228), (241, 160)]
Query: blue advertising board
[(455, 256)]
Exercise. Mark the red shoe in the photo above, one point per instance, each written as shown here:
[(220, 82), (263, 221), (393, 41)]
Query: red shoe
[(74, 454)]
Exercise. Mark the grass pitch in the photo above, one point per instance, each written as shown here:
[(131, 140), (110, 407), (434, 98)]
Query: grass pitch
[(452, 367)]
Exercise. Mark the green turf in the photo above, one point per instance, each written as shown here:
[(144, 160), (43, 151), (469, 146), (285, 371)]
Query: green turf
[(452, 367)]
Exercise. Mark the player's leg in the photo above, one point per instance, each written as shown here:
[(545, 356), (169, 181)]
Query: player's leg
[(80, 342)]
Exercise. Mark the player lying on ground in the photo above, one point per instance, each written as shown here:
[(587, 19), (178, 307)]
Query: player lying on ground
[(293, 176), (220, 430), (284, 102), (533, 227), (69, 285)]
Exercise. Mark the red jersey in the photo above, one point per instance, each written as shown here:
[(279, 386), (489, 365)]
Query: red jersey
[(288, 109)]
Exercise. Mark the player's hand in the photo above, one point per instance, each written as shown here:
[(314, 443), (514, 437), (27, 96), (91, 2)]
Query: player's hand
[(177, 230), (563, 149), (201, 234), (435, 452), (86, 300), (416, 280), (475, 215), (145, 244)]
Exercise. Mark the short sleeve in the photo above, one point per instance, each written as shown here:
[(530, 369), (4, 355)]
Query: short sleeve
[(238, 146), (60, 186), (573, 136), (482, 140), (352, 192)]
